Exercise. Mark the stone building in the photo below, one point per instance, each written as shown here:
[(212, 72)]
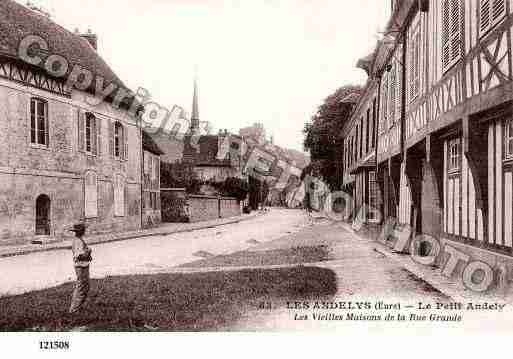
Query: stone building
[(62, 159)]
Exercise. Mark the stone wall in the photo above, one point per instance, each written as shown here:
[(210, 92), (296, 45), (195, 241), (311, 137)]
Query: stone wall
[(179, 207), (230, 207), (203, 208)]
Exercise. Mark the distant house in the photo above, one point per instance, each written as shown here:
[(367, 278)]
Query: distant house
[(215, 157), (151, 207)]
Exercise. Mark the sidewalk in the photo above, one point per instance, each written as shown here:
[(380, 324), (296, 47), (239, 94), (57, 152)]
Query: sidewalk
[(162, 230), (451, 287)]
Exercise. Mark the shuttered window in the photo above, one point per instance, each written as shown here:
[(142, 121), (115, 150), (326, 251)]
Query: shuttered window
[(451, 32), (91, 195), (491, 13), (414, 65), (384, 101), (393, 94)]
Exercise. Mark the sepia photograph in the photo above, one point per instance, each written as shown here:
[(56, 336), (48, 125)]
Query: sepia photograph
[(255, 166)]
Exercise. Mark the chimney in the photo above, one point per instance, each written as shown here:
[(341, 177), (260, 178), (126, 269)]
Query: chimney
[(91, 38)]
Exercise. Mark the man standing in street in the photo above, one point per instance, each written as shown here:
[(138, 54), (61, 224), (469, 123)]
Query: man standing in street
[(81, 260)]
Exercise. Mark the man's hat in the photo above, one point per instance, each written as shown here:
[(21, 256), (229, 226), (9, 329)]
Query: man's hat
[(79, 227)]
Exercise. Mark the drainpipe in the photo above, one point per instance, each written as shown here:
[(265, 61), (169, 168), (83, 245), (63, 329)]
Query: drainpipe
[(139, 125)]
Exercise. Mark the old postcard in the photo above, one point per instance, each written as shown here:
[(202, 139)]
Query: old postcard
[(255, 166)]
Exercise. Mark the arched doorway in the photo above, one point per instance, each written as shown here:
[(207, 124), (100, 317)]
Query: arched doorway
[(43, 215)]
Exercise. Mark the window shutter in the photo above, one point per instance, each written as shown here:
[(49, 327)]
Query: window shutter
[(385, 104), (491, 13), (416, 58), (111, 138), (398, 97), (451, 32), (94, 135), (99, 136), (455, 30), (125, 143), (158, 173), (446, 23), (485, 20), (81, 131), (47, 124), (393, 85), (499, 10)]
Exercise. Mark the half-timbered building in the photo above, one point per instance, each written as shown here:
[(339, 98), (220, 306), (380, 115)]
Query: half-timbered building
[(444, 154)]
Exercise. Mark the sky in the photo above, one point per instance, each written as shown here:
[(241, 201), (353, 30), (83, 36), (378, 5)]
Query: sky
[(268, 61)]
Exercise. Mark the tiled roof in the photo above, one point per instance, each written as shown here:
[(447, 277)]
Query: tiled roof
[(205, 154), (17, 22)]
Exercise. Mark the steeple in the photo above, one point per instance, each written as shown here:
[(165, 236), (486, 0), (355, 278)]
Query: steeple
[(195, 109)]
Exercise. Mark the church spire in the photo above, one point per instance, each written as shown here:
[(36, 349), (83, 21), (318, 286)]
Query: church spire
[(195, 107)]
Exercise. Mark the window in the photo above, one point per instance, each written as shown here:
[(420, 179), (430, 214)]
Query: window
[(373, 196), (451, 32), (454, 155), (119, 196), (118, 139), (91, 133), (91, 195), (414, 51), (38, 122), (508, 140), (491, 13)]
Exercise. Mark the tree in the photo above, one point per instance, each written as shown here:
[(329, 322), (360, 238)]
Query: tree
[(323, 135), (179, 175)]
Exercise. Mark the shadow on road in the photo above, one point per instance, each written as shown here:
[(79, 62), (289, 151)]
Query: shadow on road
[(166, 302)]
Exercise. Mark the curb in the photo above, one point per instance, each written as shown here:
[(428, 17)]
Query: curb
[(452, 294), (378, 247), (63, 246)]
